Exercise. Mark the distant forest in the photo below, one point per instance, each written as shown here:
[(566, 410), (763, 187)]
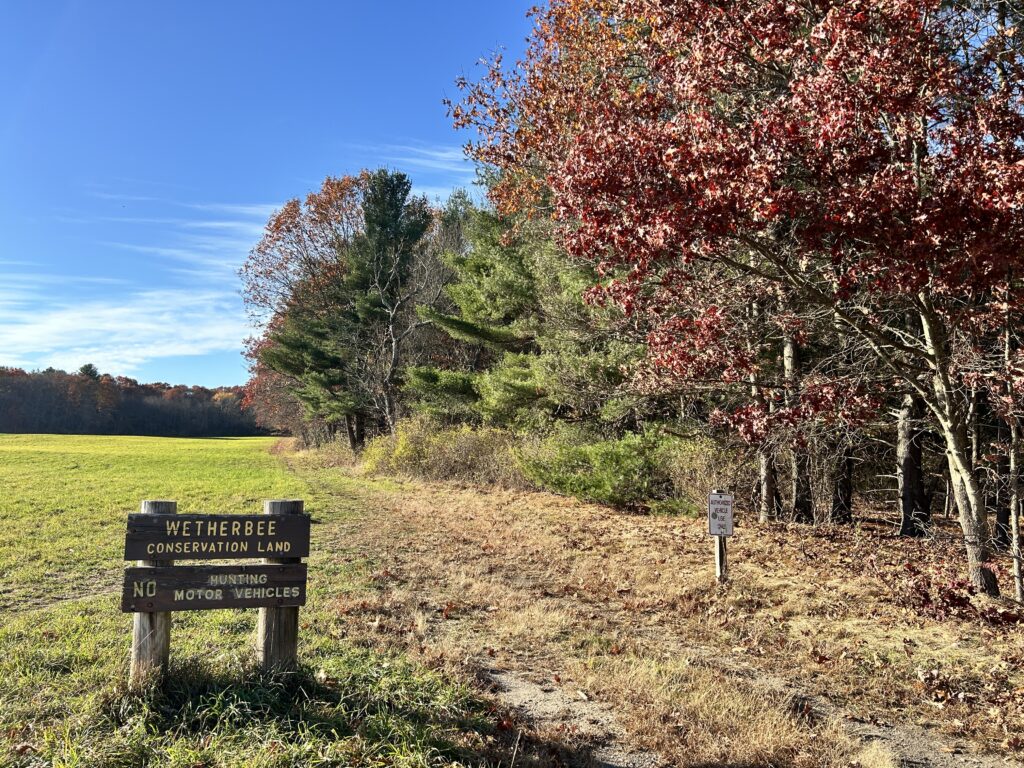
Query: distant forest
[(88, 402)]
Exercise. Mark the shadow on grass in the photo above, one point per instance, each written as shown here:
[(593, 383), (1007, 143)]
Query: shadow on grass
[(389, 712), (368, 711)]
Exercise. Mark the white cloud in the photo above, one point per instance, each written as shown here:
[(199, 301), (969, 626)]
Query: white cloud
[(123, 197), (220, 257), (118, 334), (261, 211), (447, 159), (211, 244), (436, 167), (192, 250), (252, 229)]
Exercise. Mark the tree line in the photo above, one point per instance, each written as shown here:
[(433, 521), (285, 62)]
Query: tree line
[(90, 403), (794, 227)]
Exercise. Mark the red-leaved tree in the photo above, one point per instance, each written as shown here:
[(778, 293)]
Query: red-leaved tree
[(861, 162)]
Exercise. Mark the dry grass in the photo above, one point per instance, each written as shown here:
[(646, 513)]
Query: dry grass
[(710, 716), (422, 448), (773, 669)]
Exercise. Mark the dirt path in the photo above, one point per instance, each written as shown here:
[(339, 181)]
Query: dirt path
[(551, 709), (57, 590), (605, 635)]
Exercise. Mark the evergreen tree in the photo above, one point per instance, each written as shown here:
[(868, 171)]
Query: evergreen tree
[(343, 335)]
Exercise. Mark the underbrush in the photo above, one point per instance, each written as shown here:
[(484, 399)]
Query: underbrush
[(621, 472), (422, 448), (649, 471)]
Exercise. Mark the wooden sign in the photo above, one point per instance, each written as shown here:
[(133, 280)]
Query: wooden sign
[(215, 537), (206, 587), (155, 588)]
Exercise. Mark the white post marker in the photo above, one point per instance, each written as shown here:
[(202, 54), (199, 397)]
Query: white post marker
[(720, 506)]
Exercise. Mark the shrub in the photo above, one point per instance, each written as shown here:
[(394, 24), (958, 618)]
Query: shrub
[(621, 472), (654, 471), (333, 454), (697, 465), (423, 448), (659, 472), (377, 457)]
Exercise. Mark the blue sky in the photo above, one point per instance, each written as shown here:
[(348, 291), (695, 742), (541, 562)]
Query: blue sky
[(143, 145)]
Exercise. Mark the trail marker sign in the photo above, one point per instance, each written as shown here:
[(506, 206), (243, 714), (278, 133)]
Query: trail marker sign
[(155, 586), (720, 506)]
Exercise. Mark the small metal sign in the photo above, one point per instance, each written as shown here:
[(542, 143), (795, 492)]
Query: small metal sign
[(215, 537), (720, 514), (206, 587)]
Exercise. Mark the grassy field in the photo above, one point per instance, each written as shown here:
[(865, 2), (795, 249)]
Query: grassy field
[(64, 645), (459, 625)]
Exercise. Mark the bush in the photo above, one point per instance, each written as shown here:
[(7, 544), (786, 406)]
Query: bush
[(653, 471), (333, 454), (658, 472), (697, 465), (620, 472), (423, 448)]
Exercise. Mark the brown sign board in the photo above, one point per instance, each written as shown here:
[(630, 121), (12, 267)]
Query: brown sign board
[(215, 537), (206, 587)]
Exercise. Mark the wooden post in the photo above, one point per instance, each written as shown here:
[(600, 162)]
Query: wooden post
[(277, 630), (151, 632)]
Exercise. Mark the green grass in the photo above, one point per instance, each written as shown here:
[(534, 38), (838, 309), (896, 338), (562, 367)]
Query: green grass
[(65, 498), (64, 644)]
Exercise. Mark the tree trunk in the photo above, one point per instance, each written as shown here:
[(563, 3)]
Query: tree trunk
[(949, 500), (973, 429), (360, 430), (1001, 500), (971, 503), (953, 423), (801, 495), (1013, 469), (350, 429), (801, 499), (842, 489), (769, 502), (390, 411), (915, 506), (1014, 489), (1002, 539)]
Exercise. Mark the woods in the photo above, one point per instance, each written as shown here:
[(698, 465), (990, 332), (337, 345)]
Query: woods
[(91, 403), (794, 229), (650, 395)]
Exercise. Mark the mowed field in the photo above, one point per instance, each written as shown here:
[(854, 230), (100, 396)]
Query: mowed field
[(64, 645)]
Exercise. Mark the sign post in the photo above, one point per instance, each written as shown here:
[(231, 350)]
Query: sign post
[(151, 629), (720, 519), (277, 630), (156, 586)]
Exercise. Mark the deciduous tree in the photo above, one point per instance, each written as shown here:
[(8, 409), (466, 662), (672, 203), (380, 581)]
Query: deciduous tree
[(863, 160)]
